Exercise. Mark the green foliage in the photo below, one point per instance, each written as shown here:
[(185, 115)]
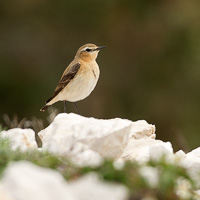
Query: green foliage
[(43, 159), (128, 174), (5, 154)]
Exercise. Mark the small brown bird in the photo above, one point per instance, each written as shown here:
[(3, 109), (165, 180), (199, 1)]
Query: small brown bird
[(79, 78)]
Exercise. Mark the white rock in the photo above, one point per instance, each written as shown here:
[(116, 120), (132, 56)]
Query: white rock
[(86, 158), (180, 154), (25, 181), (141, 129), (195, 153), (89, 187), (3, 193), (106, 137), (190, 161), (161, 149), (23, 139), (143, 150)]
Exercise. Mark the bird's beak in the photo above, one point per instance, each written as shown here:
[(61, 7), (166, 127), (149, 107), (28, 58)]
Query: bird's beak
[(99, 48)]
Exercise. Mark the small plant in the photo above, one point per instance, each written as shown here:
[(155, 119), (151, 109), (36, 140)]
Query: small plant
[(34, 123), (2, 128)]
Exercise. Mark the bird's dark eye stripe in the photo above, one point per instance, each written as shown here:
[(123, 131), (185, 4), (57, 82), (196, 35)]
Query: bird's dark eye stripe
[(88, 50)]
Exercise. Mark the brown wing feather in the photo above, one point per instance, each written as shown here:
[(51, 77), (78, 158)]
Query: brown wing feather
[(66, 78)]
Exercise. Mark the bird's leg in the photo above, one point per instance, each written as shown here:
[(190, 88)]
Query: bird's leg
[(76, 108), (65, 110)]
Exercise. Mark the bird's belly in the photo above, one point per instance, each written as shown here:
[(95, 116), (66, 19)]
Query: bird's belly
[(79, 88)]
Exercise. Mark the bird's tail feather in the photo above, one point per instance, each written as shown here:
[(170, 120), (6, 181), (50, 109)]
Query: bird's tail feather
[(44, 108)]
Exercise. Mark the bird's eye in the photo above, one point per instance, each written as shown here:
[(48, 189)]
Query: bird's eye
[(88, 50)]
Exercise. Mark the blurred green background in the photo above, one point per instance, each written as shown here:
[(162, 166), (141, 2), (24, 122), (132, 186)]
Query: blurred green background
[(150, 69)]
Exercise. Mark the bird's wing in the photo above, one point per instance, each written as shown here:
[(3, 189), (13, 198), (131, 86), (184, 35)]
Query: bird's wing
[(66, 78)]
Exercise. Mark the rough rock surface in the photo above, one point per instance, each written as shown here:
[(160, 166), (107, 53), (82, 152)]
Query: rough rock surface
[(143, 150), (20, 138), (71, 133), (190, 161)]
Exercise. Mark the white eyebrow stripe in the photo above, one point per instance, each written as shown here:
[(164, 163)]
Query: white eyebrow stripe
[(86, 48)]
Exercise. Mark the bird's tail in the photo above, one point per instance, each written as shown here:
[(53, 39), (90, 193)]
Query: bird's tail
[(44, 108), (49, 102)]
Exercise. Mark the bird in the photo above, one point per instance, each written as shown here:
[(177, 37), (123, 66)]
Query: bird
[(79, 78)]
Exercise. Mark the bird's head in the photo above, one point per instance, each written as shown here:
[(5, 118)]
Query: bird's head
[(88, 52)]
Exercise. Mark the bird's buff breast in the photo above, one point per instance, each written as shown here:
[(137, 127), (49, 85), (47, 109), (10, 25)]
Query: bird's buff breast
[(81, 85)]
